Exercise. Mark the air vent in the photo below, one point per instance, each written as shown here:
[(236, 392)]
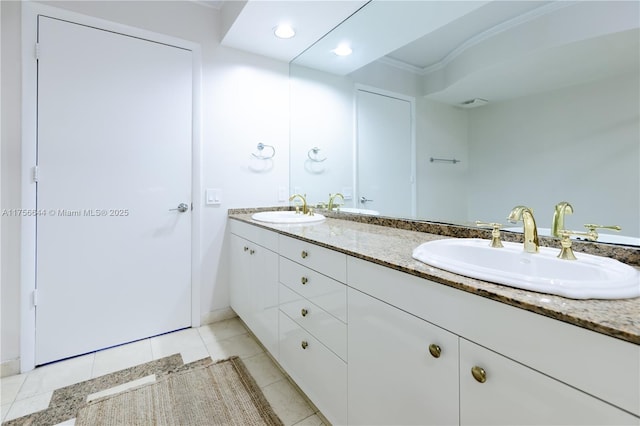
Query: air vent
[(473, 103)]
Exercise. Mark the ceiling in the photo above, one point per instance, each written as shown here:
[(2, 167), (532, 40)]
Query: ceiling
[(457, 47), (249, 25)]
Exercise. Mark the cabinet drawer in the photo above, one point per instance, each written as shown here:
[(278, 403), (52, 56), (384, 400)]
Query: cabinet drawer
[(325, 327), (260, 236), (515, 394), (329, 262), (320, 374), (323, 291)]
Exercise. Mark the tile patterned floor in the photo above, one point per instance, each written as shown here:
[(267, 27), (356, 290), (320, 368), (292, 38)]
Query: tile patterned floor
[(31, 392)]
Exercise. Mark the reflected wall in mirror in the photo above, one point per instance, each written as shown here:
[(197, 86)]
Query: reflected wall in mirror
[(561, 121)]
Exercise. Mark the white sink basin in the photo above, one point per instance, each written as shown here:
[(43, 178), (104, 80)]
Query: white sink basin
[(589, 277), (287, 217), (360, 211)]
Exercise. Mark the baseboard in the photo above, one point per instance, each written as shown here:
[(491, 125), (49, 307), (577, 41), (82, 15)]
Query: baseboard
[(10, 368), (217, 315)]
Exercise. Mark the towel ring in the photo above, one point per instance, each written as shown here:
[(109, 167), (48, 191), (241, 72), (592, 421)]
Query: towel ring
[(261, 156), (315, 158)]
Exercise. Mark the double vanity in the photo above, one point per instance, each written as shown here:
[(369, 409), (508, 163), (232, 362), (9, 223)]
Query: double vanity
[(374, 336)]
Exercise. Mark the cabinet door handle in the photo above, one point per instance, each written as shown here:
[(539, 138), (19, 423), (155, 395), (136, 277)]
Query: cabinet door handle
[(304, 280), (304, 254), (304, 344), (479, 374), (435, 350), (252, 251), (304, 312), (246, 248)]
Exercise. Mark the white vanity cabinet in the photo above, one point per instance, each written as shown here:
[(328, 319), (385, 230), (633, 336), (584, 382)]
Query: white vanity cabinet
[(254, 280), (536, 370), (370, 345), (402, 369), (513, 394), (313, 328)]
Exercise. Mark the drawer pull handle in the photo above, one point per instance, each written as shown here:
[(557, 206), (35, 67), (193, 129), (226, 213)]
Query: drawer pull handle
[(246, 248), (304, 254), (304, 312), (435, 350), (479, 374), (304, 280), (304, 344)]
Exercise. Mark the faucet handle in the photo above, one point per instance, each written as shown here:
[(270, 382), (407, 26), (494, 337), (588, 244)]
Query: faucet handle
[(592, 234), (566, 252), (592, 227), (495, 233)]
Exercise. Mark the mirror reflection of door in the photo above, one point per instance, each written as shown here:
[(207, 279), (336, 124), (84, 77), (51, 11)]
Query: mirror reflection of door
[(385, 160)]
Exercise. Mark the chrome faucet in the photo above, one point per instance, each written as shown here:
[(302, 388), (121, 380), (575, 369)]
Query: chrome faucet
[(332, 199), (305, 209), (525, 214), (557, 225)]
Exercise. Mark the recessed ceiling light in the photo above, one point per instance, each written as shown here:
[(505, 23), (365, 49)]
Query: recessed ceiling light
[(284, 31), (343, 50)]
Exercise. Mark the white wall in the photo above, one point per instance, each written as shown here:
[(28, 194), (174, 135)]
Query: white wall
[(441, 132), (321, 116), (578, 144), (10, 175), (244, 102)]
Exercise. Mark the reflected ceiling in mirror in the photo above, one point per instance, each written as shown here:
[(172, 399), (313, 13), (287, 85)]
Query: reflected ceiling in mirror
[(561, 121)]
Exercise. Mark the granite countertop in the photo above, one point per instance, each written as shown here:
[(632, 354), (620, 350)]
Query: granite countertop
[(393, 247)]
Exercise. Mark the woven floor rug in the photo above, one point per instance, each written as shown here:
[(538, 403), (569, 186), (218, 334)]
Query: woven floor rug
[(223, 393)]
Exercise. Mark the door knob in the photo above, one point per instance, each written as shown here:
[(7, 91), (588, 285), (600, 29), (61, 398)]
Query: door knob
[(364, 199), (182, 207)]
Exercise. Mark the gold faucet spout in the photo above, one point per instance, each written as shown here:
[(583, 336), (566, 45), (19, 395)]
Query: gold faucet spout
[(332, 198), (525, 214), (557, 224), (305, 208)]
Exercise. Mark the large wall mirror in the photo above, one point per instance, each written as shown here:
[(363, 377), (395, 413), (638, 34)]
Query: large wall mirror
[(458, 111)]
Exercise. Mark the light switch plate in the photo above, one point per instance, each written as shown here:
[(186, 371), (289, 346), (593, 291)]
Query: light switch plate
[(283, 193), (347, 191), (213, 196)]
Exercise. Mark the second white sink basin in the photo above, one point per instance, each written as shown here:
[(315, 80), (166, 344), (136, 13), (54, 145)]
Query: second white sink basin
[(360, 211), (589, 277), (287, 217)]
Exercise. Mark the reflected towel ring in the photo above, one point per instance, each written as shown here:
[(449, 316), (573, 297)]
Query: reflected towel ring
[(261, 156), (315, 158)]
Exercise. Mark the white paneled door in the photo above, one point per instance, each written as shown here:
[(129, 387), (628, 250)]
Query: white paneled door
[(385, 161), (114, 164)]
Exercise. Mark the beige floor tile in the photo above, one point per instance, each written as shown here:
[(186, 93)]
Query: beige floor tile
[(222, 330), (288, 404), (121, 357), (263, 370), (314, 420), (10, 386), (243, 346), (123, 387), (187, 343), (29, 405), (56, 375), (4, 409)]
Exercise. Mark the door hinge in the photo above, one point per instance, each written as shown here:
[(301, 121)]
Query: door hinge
[(35, 297), (37, 51), (35, 174)]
